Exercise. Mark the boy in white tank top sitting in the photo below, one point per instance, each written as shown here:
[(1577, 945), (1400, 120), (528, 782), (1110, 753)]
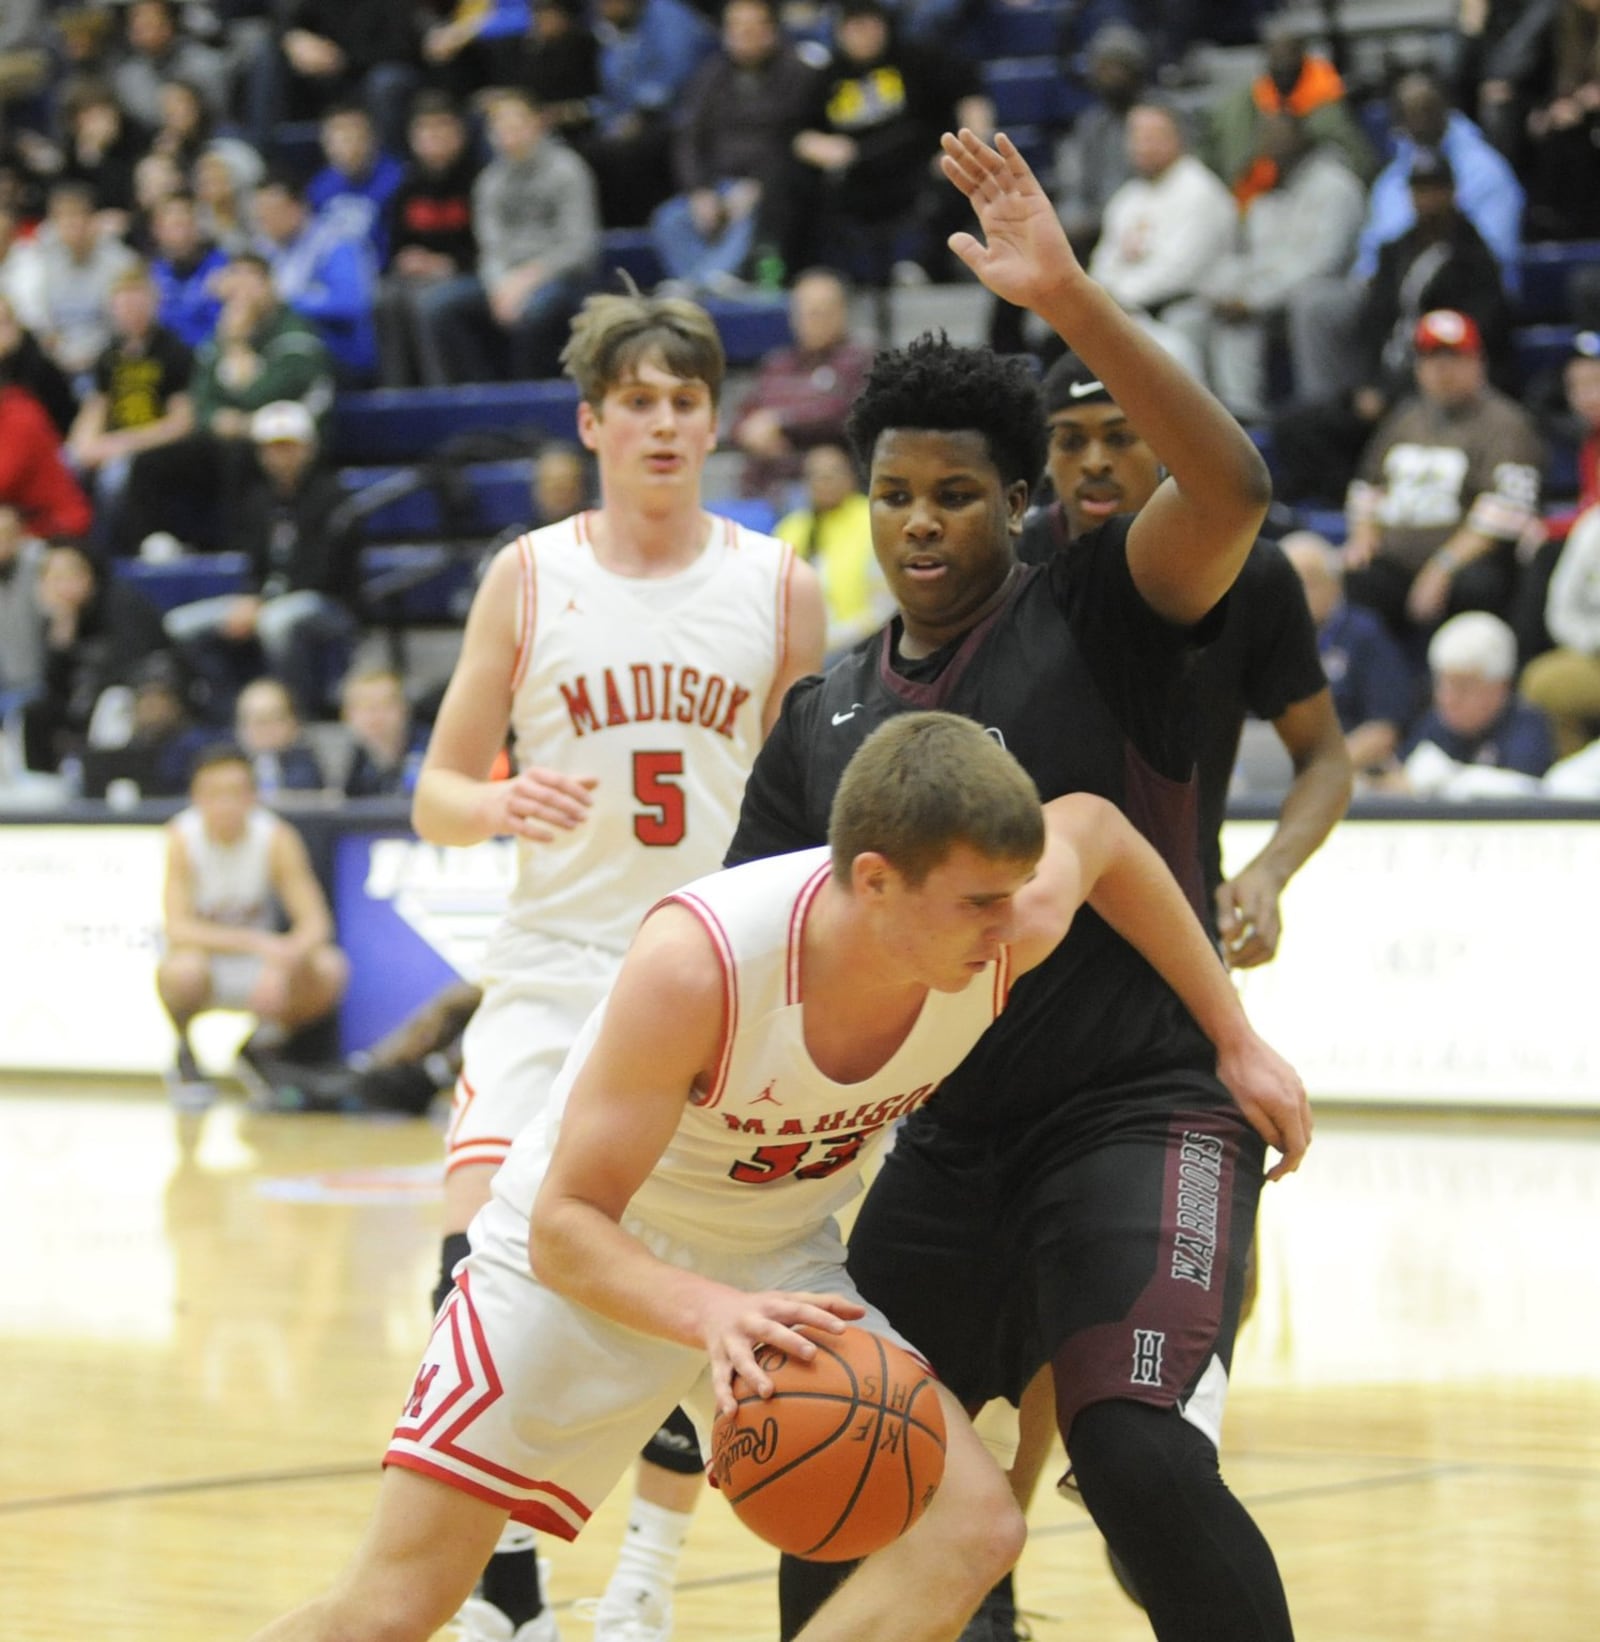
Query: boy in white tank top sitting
[(245, 921), (641, 1244)]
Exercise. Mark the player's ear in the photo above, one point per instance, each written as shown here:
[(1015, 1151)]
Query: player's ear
[(588, 425), (870, 874), (1016, 505)]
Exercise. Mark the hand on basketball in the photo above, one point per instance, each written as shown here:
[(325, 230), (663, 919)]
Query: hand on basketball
[(1026, 257), (536, 803), (1269, 1092), (741, 1322)]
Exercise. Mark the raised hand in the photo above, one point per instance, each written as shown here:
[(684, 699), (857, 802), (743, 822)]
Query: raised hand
[(1024, 256)]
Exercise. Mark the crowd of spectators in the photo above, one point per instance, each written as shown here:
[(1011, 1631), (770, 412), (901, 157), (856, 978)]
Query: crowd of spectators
[(217, 218)]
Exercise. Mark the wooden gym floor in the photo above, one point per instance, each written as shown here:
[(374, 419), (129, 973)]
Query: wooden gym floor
[(207, 1326)]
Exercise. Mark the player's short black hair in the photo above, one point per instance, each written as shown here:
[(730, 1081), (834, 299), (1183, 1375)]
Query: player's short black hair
[(936, 386), (217, 753)]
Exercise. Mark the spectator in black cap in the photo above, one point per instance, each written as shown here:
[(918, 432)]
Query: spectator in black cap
[(1353, 355)]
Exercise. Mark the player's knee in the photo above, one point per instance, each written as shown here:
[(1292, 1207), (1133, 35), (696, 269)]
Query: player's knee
[(985, 1535), (183, 980), (1132, 1459), (329, 973), (675, 1447)]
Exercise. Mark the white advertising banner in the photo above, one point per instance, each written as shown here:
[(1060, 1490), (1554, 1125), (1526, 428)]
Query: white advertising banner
[(80, 908), (1426, 962), (1438, 962)]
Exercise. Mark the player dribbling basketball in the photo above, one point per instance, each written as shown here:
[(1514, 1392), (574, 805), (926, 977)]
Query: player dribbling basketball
[(677, 1203)]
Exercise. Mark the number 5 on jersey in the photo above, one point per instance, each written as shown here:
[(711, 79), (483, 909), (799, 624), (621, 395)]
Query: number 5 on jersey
[(656, 791)]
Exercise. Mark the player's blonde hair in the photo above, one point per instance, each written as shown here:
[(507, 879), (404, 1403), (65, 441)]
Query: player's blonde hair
[(925, 782), (613, 335)]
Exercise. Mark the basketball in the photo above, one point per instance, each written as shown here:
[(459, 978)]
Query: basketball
[(842, 1458)]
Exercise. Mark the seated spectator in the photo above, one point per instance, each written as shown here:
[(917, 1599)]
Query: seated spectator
[(24, 364), (1353, 344), (140, 401), (186, 127), (430, 237), (23, 281), (557, 58), (101, 145), (322, 273), (731, 155), (222, 188), (1091, 160), (1564, 682), (268, 732), (1164, 227), (260, 353), (79, 265), (355, 187), (185, 267), (1476, 722), (156, 177), (1487, 189), (245, 922), (388, 748), (1295, 82), (1375, 688), (1564, 130), (1447, 489), (163, 728), (97, 632), (871, 146), (1301, 226), (331, 51), (303, 577), (803, 392), (648, 53), (157, 50), (21, 624), (34, 477), (833, 531), (534, 215)]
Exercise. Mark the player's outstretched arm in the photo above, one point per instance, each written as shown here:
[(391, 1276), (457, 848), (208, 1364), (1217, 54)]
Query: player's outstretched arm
[(662, 1033), (1189, 541), (455, 801), (1096, 856)]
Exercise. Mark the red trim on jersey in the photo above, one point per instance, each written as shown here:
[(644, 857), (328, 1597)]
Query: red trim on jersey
[(530, 1512), (797, 929), (785, 592), (527, 607), (730, 989), (485, 1149)]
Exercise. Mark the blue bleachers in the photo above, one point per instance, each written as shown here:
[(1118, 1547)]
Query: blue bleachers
[(631, 250), (499, 491), (750, 326), (1546, 269), (1542, 347), (402, 424)]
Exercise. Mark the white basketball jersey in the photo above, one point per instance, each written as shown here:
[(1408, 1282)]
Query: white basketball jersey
[(655, 686), (232, 882), (774, 1147)]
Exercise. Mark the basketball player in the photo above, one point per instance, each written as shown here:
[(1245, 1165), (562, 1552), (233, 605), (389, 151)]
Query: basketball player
[(235, 873), (1084, 1188), (637, 654), (1263, 662), (645, 1225)]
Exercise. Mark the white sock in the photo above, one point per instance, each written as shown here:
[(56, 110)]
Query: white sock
[(648, 1559)]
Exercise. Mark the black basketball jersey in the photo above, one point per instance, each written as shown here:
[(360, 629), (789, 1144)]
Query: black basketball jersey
[(1088, 688)]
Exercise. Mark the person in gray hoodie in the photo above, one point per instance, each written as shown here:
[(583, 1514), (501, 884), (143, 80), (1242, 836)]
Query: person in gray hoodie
[(535, 216)]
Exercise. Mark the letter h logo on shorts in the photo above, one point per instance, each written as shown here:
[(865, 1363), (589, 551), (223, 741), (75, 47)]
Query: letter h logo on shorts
[(1148, 1344), (420, 1389)]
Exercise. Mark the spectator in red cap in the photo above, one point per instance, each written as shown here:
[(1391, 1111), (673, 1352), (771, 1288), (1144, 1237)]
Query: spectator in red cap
[(33, 478), (1447, 490)]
